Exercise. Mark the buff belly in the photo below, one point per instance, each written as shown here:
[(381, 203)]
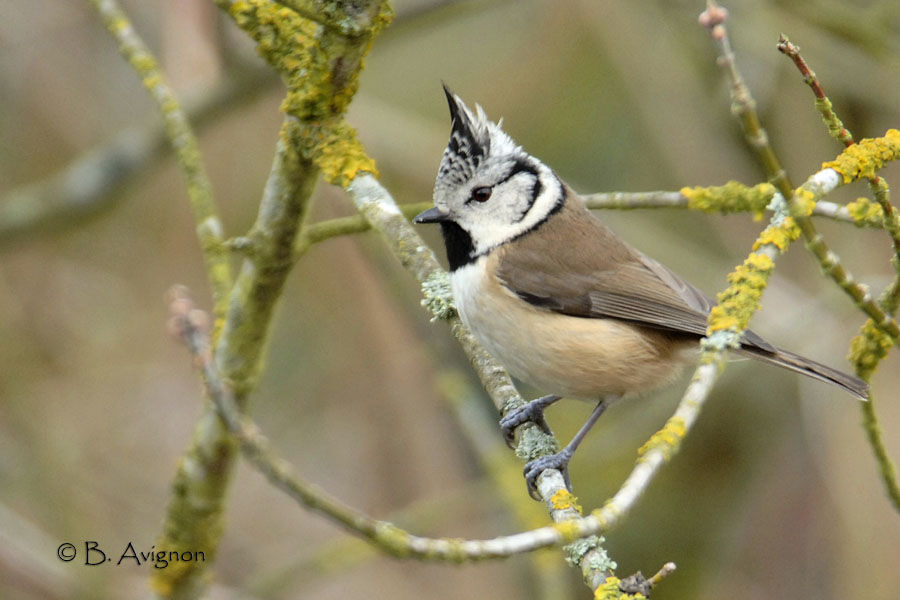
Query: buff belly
[(571, 356)]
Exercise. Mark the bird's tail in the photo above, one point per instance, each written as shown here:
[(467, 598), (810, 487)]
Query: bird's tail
[(810, 368)]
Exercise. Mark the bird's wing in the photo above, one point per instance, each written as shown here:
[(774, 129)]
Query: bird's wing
[(591, 272)]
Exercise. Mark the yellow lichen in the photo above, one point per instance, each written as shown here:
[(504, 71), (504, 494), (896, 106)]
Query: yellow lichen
[(738, 303), (569, 530), (779, 236), (321, 74), (804, 202), (730, 198), (866, 212), (609, 590), (863, 159), (666, 439), (341, 156), (868, 348), (392, 538), (563, 499)]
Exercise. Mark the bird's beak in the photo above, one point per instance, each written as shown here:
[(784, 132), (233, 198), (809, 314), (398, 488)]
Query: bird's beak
[(432, 215)]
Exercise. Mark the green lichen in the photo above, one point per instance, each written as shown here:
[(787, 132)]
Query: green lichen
[(733, 197), (437, 296), (194, 519), (834, 125), (598, 561), (866, 213), (534, 443), (666, 439), (865, 158), (576, 551), (738, 303)]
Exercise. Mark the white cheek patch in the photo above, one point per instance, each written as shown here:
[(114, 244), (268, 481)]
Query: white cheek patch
[(508, 223)]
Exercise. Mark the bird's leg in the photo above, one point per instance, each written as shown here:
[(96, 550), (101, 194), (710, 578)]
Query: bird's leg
[(561, 459), (532, 412)]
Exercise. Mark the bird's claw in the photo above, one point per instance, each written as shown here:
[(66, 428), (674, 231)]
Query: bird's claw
[(534, 468), (533, 412)]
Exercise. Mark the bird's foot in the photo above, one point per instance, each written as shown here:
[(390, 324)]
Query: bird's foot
[(533, 412), (558, 461)]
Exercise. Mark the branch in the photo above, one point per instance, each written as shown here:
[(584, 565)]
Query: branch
[(88, 185), (730, 198), (320, 71), (192, 326), (183, 142), (856, 161), (870, 346)]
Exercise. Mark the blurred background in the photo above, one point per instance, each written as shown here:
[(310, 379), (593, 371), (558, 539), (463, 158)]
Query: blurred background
[(775, 494)]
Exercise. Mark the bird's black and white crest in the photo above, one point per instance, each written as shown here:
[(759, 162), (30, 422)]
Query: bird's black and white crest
[(488, 189)]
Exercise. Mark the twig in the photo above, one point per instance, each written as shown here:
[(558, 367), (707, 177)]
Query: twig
[(870, 346), (88, 185), (837, 130), (887, 148), (320, 71), (184, 143), (730, 198)]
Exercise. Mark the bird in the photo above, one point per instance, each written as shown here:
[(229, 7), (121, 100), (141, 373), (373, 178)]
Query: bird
[(559, 299)]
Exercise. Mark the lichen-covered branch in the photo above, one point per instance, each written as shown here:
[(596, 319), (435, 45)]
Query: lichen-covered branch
[(183, 142), (837, 130), (320, 70), (859, 160), (380, 210), (730, 198), (870, 346), (742, 104), (194, 515)]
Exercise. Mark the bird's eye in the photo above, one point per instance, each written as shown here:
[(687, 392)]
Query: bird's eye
[(481, 194)]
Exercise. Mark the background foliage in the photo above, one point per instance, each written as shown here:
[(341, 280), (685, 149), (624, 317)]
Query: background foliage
[(775, 493)]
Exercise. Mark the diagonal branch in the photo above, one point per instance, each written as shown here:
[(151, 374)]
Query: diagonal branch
[(183, 142), (88, 185)]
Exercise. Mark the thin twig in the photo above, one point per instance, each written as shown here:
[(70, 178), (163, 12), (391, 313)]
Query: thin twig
[(184, 143), (866, 356), (744, 108), (837, 130), (89, 184), (320, 231)]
